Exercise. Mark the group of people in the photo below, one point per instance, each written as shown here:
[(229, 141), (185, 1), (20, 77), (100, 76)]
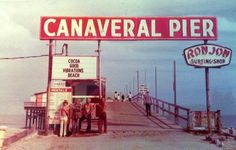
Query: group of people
[(74, 114), (121, 97), (146, 97)]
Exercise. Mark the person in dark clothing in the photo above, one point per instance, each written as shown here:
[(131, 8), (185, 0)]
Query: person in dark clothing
[(76, 108), (122, 97), (86, 114), (147, 102), (102, 122)]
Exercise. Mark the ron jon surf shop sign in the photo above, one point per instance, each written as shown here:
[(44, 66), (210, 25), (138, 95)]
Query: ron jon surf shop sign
[(207, 55), (128, 28)]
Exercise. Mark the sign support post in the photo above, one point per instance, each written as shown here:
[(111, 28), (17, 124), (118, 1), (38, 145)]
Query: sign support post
[(174, 88), (99, 68), (208, 105), (48, 85), (208, 100)]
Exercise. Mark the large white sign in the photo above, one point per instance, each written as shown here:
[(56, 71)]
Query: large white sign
[(74, 68), (207, 55)]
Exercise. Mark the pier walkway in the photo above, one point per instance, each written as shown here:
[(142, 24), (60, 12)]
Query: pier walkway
[(128, 129)]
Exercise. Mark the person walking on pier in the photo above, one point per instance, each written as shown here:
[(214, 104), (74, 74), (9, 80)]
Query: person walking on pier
[(87, 110), (122, 97), (147, 102), (129, 96), (64, 112), (116, 96)]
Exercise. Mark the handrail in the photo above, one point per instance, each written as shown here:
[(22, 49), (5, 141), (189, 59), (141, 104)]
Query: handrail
[(34, 104), (169, 108)]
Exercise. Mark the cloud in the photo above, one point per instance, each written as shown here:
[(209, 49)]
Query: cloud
[(226, 25), (16, 39)]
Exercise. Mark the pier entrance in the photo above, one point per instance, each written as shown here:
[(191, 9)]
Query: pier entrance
[(68, 69)]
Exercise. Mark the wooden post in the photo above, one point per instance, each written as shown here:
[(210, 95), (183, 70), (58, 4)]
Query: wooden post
[(169, 110), (208, 105), (99, 69), (155, 82), (157, 110), (46, 125), (188, 120), (137, 81), (208, 100), (26, 118), (219, 125), (163, 108), (33, 116), (30, 118), (174, 89), (133, 91), (156, 88)]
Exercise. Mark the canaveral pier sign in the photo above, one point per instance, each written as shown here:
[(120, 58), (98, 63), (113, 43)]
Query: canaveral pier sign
[(128, 28)]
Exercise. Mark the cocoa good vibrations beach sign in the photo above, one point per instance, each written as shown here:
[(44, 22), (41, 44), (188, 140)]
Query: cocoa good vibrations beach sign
[(74, 68), (207, 55), (128, 28)]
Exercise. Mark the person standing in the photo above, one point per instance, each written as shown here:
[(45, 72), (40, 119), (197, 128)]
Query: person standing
[(147, 102), (87, 110), (129, 96), (102, 122), (77, 108), (64, 113), (116, 96), (122, 97)]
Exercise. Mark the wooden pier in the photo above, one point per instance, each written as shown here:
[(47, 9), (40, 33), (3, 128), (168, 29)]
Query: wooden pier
[(35, 115)]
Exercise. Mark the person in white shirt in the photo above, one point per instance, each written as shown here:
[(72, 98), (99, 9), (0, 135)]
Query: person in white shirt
[(129, 96), (64, 114), (87, 110)]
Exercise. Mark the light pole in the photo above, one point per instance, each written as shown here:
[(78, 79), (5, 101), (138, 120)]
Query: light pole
[(99, 69), (155, 82), (137, 81), (46, 125)]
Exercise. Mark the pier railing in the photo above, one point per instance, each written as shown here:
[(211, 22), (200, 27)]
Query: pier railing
[(35, 115), (34, 104), (162, 107)]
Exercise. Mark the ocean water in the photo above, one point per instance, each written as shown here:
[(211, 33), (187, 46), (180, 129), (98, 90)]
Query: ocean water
[(13, 121), (228, 121)]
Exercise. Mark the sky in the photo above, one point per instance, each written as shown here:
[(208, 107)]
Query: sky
[(19, 36)]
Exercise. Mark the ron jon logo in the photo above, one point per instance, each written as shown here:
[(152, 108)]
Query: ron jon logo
[(207, 55)]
